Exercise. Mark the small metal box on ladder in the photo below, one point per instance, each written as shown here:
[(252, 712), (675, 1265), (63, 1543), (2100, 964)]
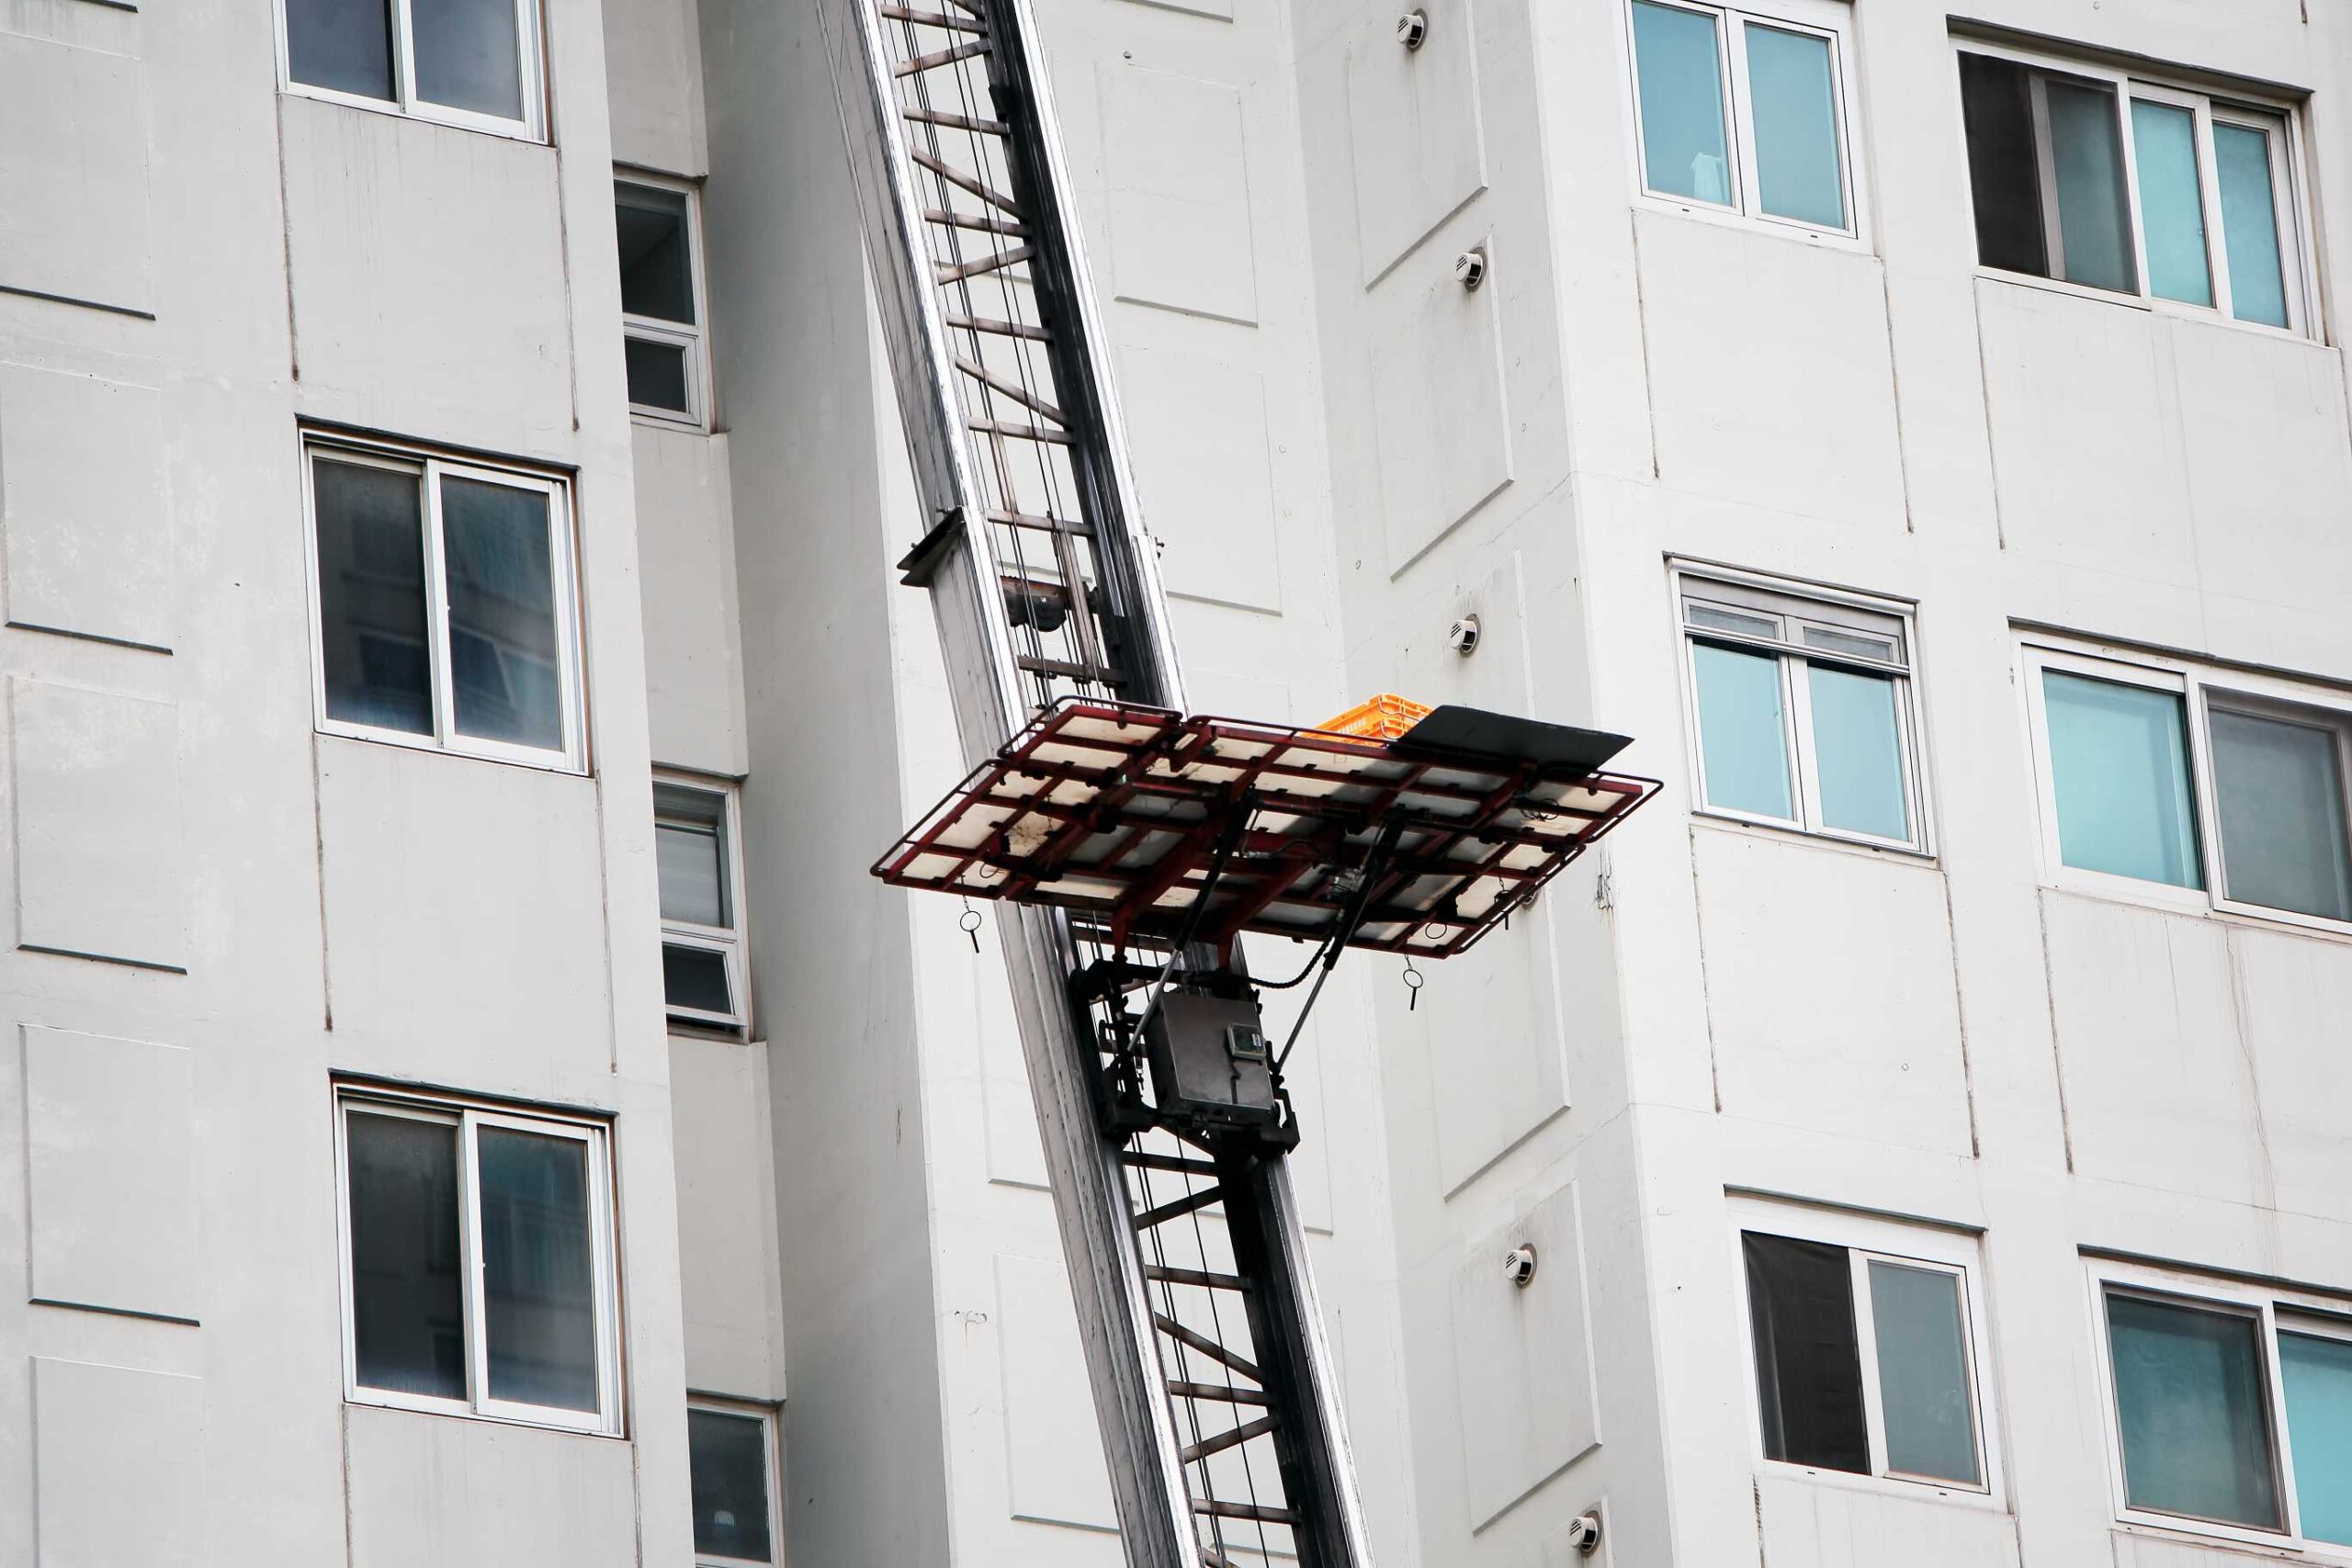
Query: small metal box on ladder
[(1129, 844)]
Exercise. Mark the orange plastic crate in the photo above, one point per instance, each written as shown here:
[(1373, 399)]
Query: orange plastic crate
[(1384, 718)]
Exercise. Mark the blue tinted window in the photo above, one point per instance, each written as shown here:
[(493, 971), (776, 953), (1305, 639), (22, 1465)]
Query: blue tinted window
[(1678, 64), (2094, 209), (2318, 1375), (2250, 224), (1743, 737), (2189, 1398), (1794, 103), (1857, 747), (2119, 763), (2172, 202)]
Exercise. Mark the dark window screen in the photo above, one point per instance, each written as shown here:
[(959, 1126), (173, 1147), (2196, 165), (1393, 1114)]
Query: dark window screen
[(405, 1269), (1808, 1367), (2002, 171), (346, 45)]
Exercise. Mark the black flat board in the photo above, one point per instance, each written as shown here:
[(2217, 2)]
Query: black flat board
[(1559, 747)]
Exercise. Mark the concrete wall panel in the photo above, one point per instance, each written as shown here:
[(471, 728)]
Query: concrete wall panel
[(1824, 967), (83, 506), (1523, 1358), (2298, 992), (111, 1172), (653, 77), (98, 851), (73, 205), (694, 640), (1823, 1526), (1439, 407), (727, 1238), (1054, 1453), (118, 1461), (1178, 194), (1202, 467), (485, 1494), (1770, 371), (1419, 138)]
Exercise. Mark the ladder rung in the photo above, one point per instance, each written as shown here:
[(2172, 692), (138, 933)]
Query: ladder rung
[(1177, 1208), (1013, 390), (1225, 1392), (962, 181), (1207, 1347), (928, 18), (958, 121), (1136, 1157), (1038, 664), (1232, 1439), (1002, 329), (1004, 226), (1019, 432), (1083, 531), (1262, 1512), (995, 261), (937, 58), (1200, 1277)]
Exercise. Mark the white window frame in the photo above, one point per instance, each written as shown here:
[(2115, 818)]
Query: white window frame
[(2203, 688), (431, 468), (531, 70), (1828, 19), (469, 1116), (727, 941), (2302, 1312), (694, 339), (770, 1451), (2289, 188), (1867, 1238), (1831, 610)]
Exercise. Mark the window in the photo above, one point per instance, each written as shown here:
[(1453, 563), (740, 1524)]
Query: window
[(1745, 112), (702, 937), (1864, 1342), (2096, 177), (731, 1453), (2231, 1406), (479, 1274), (1802, 710), (471, 62), (660, 302), (2199, 785), (446, 606)]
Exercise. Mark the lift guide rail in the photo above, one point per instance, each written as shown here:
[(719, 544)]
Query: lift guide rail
[(1159, 1099)]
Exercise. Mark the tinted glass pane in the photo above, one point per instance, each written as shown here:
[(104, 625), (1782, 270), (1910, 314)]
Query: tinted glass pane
[(1923, 1373), (468, 55), (372, 596), (1679, 67), (2279, 790), (1808, 1367), (657, 266), (694, 887), (407, 1320), (1858, 746), (2318, 1374), (346, 45), (2119, 761), (2250, 224), (728, 1458), (1743, 745), (657, 374), (2172, 202), (1794, 99), (2094, 209), (505, 664), (2188, 1395), (538, 1269), (696, 977), (2004, 170)]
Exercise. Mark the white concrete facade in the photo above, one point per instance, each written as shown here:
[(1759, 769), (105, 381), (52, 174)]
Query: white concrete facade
[(1965, 1051)]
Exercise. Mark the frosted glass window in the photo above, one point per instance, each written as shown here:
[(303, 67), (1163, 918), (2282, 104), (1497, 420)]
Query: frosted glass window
[(2118, 761), (1808, 1357), (2242, 161), (2279, 791), (2317, 1372), (372, 607), (1858, 749), (506, 643), (1743, 733), (538, 1277), (689, 856), (1679, 70), (2190, 1401), (468, 55), (2094, 207), (1792, 95), (407, 1312), (727, 1456), (345, 46), (2172, 202), (1921, 1335)]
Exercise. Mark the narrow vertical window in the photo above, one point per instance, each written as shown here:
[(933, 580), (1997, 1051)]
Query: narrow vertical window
[(2317, 1370), (539, 1274), (702, 952), (1792, 86), (407, 1290), (660, 326), (2004, 165), (2086, 174), (506, 640), (372, 595), (2278, 792), (1922, 1337), (2245, 162), (2192, 1405), (470, 62), (1686, 149), (728, 1455), (2118, 764), (1742, 730), (2172, 201)]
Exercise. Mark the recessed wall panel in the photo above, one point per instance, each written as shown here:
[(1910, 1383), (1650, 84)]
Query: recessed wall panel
[(1415, 126), (119, 1466), (1523, 1358), (1439, 407), (73, 207), (425, 1489), (111, 1172), (1053, 1451), (1178, 184), (99, 847), (82, 506), (1198, 428)]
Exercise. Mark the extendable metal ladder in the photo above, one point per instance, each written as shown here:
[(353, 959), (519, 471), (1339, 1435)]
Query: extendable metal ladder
[(1213, 1386)]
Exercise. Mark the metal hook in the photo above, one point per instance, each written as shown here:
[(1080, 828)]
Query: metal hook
[(1412, 986), (970, 920)]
